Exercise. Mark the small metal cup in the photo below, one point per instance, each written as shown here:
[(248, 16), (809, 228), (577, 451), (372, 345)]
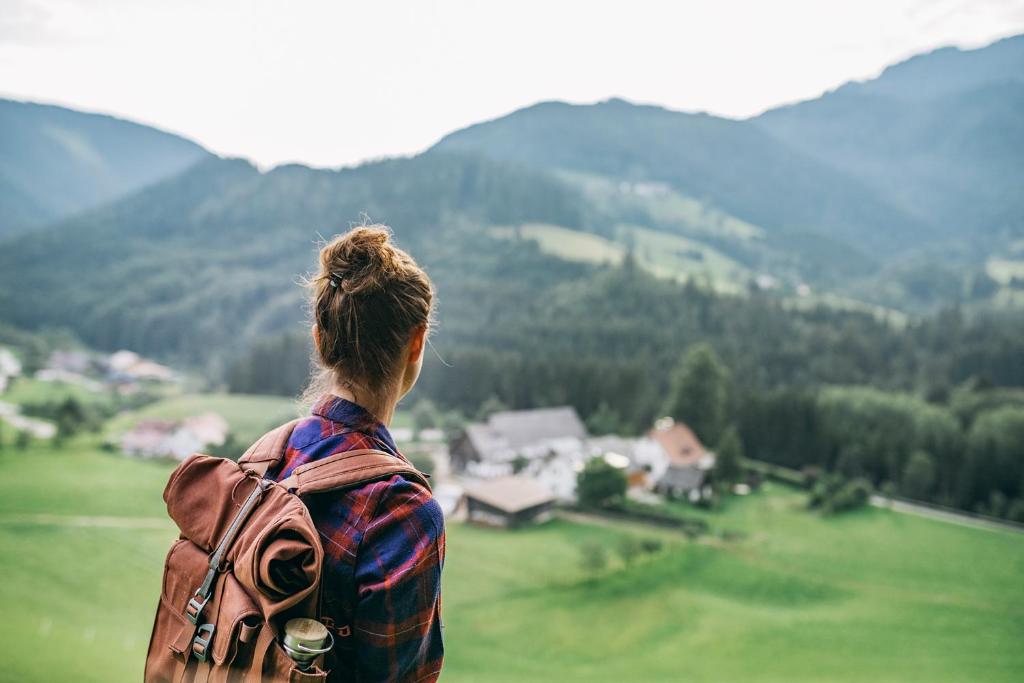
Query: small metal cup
[(305, 640)]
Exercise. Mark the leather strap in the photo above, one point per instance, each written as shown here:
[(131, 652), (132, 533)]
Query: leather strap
[(348, 469), (259, 655), (268, 450)]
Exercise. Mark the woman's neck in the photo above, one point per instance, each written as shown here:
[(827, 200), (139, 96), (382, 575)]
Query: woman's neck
[(381, 407)]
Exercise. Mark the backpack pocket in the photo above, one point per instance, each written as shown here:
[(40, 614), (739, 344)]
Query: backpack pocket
[(237, 624)]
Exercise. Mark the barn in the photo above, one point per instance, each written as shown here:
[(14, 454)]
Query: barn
[(508, 502)]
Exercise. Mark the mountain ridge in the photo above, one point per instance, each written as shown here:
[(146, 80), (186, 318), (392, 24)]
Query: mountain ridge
[(56, 161)]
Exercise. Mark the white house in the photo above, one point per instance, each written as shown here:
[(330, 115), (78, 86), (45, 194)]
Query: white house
[(10, 368), (175, 438)]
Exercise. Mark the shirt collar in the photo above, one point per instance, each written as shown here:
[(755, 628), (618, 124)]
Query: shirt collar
[(355, 418)]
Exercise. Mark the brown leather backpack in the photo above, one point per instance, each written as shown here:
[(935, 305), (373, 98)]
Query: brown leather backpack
[(248, 559)]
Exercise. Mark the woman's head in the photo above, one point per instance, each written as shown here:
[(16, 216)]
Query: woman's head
[(371, 307)]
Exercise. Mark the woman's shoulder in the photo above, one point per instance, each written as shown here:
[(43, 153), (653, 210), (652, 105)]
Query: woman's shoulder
[(400, 499)]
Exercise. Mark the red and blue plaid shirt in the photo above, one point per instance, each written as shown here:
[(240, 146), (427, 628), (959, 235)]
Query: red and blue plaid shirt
[(383, 553)]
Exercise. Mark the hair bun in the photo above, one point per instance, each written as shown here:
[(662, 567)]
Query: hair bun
[(361, 261)]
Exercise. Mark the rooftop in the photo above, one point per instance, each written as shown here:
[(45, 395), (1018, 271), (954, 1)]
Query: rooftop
[(511, 494)]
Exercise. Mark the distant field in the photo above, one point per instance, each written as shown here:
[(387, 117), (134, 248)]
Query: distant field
[(248, 415), (875, 596), (667, 206), (663, 254), (28, 390)]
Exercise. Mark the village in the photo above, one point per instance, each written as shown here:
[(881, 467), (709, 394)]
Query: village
[(511, 468), (518, 465)]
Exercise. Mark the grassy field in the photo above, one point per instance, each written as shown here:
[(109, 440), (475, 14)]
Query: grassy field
[(248, 415), (875, 596), (663, 254)]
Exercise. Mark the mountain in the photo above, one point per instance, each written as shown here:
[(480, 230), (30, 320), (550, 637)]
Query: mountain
[(940, 135), (55, 161), (947, 71), (731, 165)]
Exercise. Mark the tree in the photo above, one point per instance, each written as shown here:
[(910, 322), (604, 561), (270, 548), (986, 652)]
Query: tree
[(23, 440), (424, 416), (919, 476), (604, 420), (519, 463), (628, 548), (728, 457), (422, 461), (995, 460), (832, 494), (593, 557), (71, 418), (600, 484), (698, 392), (452, 423), (492, 405), (1015, 513)]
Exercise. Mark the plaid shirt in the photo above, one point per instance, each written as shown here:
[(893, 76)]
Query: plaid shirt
[(383, 553)]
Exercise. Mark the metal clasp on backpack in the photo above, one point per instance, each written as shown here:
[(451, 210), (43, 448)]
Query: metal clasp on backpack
[(195, 608), (201, 645)]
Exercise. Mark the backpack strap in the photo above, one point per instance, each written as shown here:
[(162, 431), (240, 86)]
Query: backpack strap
[(268, 450), (349, 469), (344, 470)]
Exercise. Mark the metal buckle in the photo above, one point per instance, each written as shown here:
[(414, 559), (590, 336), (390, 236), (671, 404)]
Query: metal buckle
[(195, 608), (201, 645)]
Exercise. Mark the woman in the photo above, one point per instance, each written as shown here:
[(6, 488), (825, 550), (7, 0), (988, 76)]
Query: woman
[(383, 542)]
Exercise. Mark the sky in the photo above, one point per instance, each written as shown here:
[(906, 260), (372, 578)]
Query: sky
[(335, 83)]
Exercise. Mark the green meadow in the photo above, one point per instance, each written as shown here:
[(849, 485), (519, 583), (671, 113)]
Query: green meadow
[(662, 254), (773, 594)]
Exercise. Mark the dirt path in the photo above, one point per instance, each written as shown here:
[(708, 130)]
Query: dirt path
[(944, 515)]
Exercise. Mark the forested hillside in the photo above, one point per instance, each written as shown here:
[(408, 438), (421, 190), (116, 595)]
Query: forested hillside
[(56, 161)]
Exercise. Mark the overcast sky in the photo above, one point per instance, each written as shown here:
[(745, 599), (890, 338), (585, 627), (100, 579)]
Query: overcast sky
[(333, 83)]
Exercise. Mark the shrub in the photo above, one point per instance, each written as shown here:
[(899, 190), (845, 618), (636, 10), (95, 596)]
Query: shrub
[(593, 557), (600, 484)]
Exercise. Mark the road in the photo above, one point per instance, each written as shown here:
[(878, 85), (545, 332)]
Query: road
[(944, 515)]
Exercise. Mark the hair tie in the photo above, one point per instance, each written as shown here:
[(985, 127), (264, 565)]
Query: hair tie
[(335, 282)]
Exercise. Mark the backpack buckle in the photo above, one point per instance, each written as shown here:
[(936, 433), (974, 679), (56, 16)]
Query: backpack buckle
[(201, 644), (195, 608)]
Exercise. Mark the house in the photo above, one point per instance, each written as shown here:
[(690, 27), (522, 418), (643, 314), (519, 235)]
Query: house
[(78, 362), (489, 449), (688, 463), (644, 460), (508, 502), (128, 366), (175, 438), (148, 438), (10, 367)]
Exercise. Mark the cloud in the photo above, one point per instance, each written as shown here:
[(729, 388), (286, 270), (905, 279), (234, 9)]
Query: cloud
[(26, 22)]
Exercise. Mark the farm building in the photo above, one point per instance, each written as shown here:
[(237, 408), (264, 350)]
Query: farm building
[(689, 463), (10, 367), (508, 502), (175, 438), (489, 449)]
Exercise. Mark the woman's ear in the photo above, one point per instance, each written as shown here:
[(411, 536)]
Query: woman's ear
[(316, 337), (416, 343)]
